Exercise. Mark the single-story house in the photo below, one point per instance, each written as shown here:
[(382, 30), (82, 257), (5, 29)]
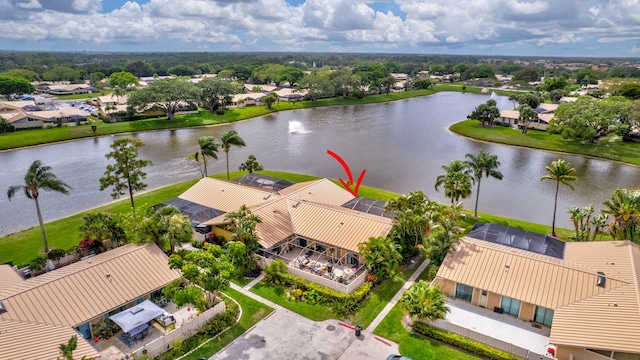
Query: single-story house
[(567, 99), (264, 88), (40, 313), (288, 94), (242, 100), (312, 225), (112, 100), (541, 123), (68, 89), (400, 76), (587, 293)]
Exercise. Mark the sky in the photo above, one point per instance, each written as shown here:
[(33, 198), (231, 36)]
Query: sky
[(582, 28)]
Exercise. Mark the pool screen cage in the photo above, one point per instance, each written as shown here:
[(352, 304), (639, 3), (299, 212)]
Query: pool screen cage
[(264, 182)]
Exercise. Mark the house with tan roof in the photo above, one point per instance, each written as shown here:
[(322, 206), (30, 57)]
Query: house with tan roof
[(313, 226), (67, 89), (20, 118), (40, 313), (586, 293), (242, 100), (545, 115)]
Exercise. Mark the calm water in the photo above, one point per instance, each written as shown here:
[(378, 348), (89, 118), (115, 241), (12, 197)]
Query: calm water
[(402, 145)]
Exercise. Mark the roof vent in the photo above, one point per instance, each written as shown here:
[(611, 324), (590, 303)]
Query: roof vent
[(2, 308), (601, 279), (266, 196), (295, 204)]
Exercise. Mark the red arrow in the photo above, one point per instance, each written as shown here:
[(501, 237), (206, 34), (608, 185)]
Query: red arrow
[(348, 170)]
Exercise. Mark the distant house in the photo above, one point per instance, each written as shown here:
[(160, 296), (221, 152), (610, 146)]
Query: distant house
[(242, 100), (264, 88), (38, 314), (586, 293), (288, 94), (112, 100), (67, 89), (567, 99), (545, 115)]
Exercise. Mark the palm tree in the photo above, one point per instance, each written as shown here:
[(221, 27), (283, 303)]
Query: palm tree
[(39, 177), (179, 229), (624, 206), (456, 181), (560, 172), (228, 139), (208, 147), (381, 255), (424, 302), (483, 164)]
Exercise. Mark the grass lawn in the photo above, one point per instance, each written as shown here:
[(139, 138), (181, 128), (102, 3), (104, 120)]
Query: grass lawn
[(412, 345), (252, 312), (381, 295), (277, 294), (606, 149), (19, 248)]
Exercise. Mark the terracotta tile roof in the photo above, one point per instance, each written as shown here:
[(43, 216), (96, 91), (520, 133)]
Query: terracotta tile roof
[(25, 340)]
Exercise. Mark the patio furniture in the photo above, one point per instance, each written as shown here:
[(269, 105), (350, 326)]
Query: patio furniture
[(165, 319)]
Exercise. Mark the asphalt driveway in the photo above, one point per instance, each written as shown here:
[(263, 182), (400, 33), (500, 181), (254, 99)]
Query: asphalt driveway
[(287, 335)]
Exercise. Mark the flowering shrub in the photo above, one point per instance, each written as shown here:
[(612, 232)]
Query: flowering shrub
[(88, 246)]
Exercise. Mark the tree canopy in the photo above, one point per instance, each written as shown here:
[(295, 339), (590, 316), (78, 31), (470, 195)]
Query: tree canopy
[(170, 95), (589, 118), (126, 174), (216, 93), (485, 113), (15, 85), (123, 80)]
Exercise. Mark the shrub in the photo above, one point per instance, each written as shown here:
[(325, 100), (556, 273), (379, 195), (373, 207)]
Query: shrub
[(342, 303), (38, 263), (56, 254), (462, 342), (372, 278), (219, 112)]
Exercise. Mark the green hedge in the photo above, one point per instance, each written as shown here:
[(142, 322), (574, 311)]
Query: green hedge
[(342, 303), (462, 342)]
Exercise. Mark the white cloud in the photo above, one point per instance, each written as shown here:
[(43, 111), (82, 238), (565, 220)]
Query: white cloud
[(345, 25)]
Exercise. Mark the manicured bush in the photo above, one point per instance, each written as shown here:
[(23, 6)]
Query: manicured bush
[(38, 263), (462, 342), (56, 254), (315, 293)]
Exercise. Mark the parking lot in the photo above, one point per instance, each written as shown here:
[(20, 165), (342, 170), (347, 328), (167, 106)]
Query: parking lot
[(287, 335)]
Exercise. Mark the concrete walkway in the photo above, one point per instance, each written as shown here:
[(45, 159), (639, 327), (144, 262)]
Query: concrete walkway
[(397, 296), (254, 281), (257, 297)]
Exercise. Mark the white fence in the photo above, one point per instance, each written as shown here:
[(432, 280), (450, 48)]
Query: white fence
[(353, 284), (164, 343), (498, 344)]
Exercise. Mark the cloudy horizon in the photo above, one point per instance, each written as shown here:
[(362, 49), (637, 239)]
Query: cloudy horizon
[(551, 28)]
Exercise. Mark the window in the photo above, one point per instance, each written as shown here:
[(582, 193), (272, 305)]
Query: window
[(544, 316), (464, 292), (510, 306)]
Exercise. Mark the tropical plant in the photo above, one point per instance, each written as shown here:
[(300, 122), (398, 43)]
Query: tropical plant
[(624, 206), (425, 302), (456, 180), (251, 165), (179, 230), (229, 139), (242, 224), (381, 256), (527, 115), (164, 226), (102, 226), (443, 237), (484, 164), (560, 172), (126, 174), (209, 268), (68, 348), (270, 99), (39, 178), (582, 221), (208, 147)]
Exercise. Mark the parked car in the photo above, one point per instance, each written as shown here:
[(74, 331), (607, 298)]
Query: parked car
[(397, 357)]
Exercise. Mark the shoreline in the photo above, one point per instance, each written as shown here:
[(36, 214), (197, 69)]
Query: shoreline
[(552, 151)]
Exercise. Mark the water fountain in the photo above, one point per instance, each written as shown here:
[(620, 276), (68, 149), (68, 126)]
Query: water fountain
[(296, 127), (493, 95)]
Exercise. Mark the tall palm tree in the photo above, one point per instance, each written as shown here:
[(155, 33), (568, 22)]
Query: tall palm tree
[(39, 177), (228, 139), (484, 164), (456, 180), (208, 147), (560, 172)]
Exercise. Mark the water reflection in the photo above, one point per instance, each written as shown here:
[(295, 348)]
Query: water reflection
[(401, 144)]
